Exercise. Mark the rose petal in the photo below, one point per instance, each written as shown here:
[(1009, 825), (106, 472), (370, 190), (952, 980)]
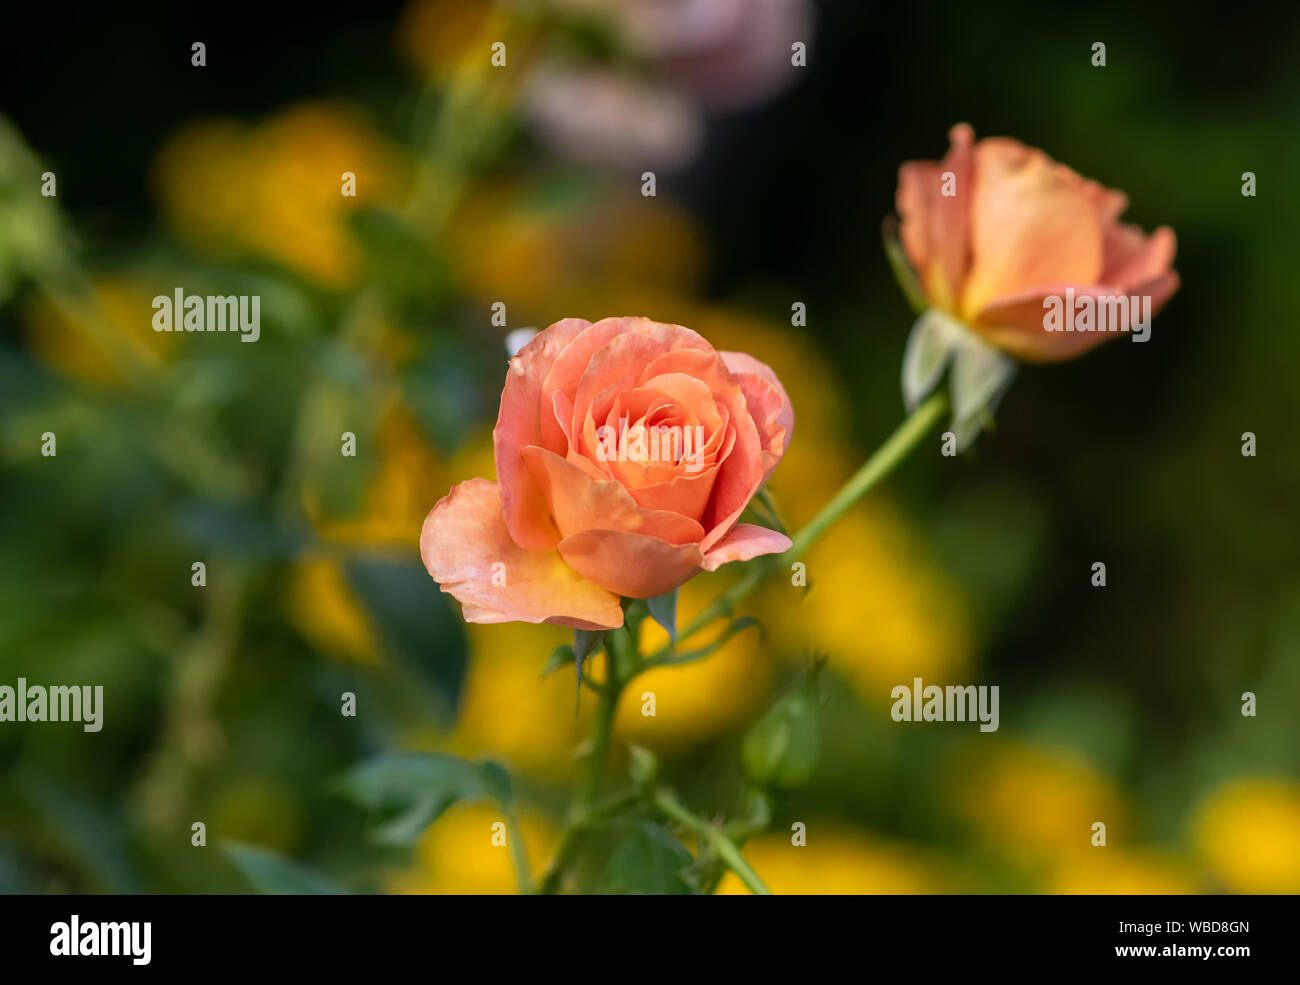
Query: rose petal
[(1033, 222), (745, 541), (1015, 325), (579, 502), (768, 404), (634, 565), (740, 475), (1133, 258), (918, 186), (934, 228), (519, 425), (569, 368), (616, 365), (465, 536), (687, 495), (576, 498)]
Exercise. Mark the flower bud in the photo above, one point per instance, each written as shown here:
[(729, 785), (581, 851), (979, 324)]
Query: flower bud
[(781, 750)]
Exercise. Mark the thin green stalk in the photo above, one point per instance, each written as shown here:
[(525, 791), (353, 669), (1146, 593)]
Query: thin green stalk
[(722, 846), (518, 854), (602, 730), (601, 735), (886, 458)]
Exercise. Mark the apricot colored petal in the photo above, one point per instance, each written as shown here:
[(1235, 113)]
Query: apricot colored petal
[(630, 564), (519, 425), (1110, 203), (689, 393), (745, 541), (1033, 222), (739, 476), (741, 469), (705, 365), (465, 536), (1015, 325), (573, 362), (1161, 288), (950, 220), (918, 187), (1134, 258), (686, 495), (576, 499), (616, 365), (934, 227), (579, 502), (768, 404)]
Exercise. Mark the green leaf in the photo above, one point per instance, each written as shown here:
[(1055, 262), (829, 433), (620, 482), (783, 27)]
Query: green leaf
[(99, 837), (397, 257), (902, 267), (663, 609), (649, 860), (585, 643), (419, 626), (413, 789), (277, 875), (561, 656), (406, 827), (635, 612), (496, 782), (241, 530), (744, 622)]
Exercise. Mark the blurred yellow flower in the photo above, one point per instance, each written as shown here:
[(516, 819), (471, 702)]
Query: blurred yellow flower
[(547, 257), (435, 36), (325, 610), (1248, 832), (276, 189), (406, 480), (875, 605), (1037, 805), (1113, 871), (696, 701), (835, 861), (116, 327), (463, 852), (508, 712)]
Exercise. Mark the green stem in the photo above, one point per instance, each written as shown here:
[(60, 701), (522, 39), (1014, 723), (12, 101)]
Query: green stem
[(602, 730), (722, 846), (518, 854), (601, 733), (886, 458)]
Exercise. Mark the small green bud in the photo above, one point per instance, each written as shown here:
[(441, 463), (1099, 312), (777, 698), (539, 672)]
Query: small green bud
[(782, 749), (642, 765)]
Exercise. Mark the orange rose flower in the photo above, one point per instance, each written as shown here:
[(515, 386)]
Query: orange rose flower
[(626, 451), (997, 228)]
